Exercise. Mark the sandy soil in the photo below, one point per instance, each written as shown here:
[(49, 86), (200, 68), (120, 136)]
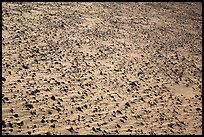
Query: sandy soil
[(101, 68)]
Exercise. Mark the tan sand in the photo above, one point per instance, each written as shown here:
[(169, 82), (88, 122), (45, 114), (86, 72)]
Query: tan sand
[(101, 68)]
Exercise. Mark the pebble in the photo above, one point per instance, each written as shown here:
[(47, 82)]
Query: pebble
[(20, 124), (29, 106), (3, 79), (53, 97)]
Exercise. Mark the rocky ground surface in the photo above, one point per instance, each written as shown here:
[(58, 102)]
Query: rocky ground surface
[(101, 68)]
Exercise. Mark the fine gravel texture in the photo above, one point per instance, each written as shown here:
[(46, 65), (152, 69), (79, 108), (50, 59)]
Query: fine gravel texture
[(101, 68)]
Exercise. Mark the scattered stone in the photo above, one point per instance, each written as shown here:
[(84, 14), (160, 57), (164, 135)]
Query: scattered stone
[(34, 91), (127, 104), (49, 112), (42, 121), (118, 111), (170, 125), (25, 67), (29, 133), (10, 125), (3, 124), (198, 109), (93, 128), (48, 133), (118, 126), (6, 98), (29, 106), (20, 124), (53, 126), (3, 79), (72, 130), (53, 97), (11, 110), (58, 109), (19, 80), (80, 109), (15, 115)]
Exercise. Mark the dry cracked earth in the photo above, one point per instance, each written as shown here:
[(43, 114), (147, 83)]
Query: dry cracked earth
[(101, 68)]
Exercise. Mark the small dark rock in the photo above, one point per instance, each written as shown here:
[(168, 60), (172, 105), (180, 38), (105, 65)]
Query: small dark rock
[(42, 121), (25, 67), (33, 113), (29, 133), (117, 131), (6, 98), (171, 125), (79, 108), (57, 82), (48, 133), (34, 92), (122, 120), (58, 109), (161, 118), (11, 110), (19, 80), (53, 97), (198, 109), (98, 129), (53, 126), (29, 106), (118, 126), (49, 112), (129, 130), (10, 125), (20, 124), (3, 124), (127, 104), (118, 111), (133, 83), (15, 115), (93, 128), (71, 129), (85, 106), (3, 79)]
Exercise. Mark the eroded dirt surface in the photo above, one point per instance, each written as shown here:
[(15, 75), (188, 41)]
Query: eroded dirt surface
[(101, 68)]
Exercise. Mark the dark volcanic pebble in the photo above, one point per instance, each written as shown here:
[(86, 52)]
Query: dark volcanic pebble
[(25, 67), (119, 112), (29, 106), (79, 108), (6, 98), (29, 133), (35, 91), (42, 121), (71, 129), (3, 124), (15, 115), (53, 126), (3, 79), (20, 124), (19, 80), (53, 97), (10, 125), (127, 104)]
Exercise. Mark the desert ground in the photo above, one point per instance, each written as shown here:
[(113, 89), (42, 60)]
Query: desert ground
[(101, 68)]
